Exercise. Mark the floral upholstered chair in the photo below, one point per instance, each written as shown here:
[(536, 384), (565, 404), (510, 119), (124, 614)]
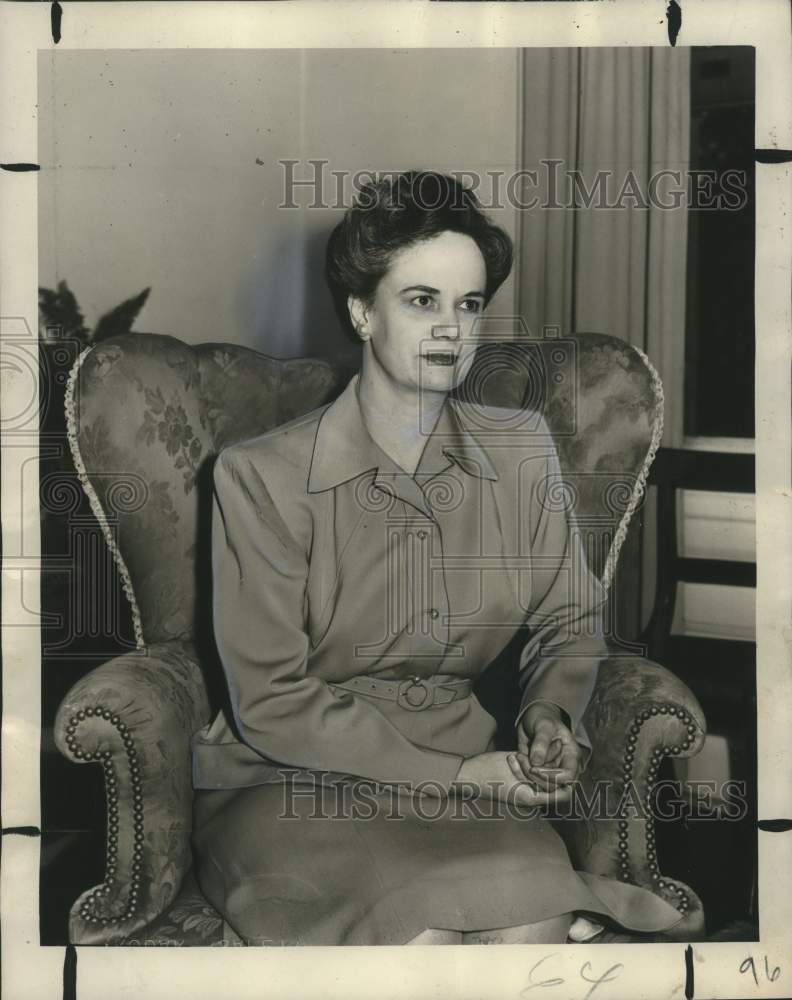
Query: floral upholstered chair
[(146, 414)]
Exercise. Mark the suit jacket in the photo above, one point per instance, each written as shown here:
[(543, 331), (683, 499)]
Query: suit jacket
[(330, 562)]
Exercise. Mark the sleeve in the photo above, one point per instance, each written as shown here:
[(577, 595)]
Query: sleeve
[(281, 711), (559, 663)]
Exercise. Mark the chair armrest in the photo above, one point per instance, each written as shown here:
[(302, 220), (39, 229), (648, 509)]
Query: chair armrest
[(639, 713), (135, 715)]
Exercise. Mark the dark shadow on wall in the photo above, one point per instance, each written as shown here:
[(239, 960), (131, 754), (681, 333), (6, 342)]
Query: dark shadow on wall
[(285, 300), (325, 337)]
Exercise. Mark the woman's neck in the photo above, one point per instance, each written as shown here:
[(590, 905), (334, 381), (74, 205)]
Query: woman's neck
[(398, 418)]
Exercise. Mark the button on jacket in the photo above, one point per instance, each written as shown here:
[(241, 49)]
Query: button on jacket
[(331, 562)]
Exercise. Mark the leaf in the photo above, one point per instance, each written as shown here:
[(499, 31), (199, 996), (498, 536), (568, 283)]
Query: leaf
[(168, 930), (195, 921), (145, 434), (155, 400), (120, 319), (60, 315), (147, 430), (180, 462)]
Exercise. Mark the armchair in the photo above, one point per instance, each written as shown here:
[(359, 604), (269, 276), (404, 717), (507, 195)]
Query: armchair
[(145, 415)]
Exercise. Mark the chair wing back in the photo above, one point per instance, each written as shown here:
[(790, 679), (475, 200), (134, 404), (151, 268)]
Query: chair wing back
[(147, 413), (603, 402), (618, 415)]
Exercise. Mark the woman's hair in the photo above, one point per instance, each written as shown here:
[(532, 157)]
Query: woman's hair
[(396, 212)]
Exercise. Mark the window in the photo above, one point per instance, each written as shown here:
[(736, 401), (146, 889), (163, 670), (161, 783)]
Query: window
[(719, 348)]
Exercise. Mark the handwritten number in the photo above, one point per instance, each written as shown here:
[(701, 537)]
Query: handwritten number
[(772, 976), (544, 982), (607, 977), (749, 964), (604, 978)]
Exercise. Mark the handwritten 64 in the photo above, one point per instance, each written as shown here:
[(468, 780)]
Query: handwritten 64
[(539, 977)]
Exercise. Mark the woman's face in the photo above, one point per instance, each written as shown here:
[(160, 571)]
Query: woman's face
[(421, 328)]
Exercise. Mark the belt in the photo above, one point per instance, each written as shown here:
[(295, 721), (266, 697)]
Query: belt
[(413, 694)]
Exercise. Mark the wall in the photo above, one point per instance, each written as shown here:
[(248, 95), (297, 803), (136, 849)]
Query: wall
[(150, 174)]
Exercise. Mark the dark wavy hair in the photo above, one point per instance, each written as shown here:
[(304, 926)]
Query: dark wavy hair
[(396, 212)]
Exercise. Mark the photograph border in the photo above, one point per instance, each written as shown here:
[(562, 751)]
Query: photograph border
[(703, 969)]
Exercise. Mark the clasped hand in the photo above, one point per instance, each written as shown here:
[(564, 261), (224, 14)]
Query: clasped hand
[(541, 772)]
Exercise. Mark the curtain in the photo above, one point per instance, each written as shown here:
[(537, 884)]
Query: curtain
[(618, 270)]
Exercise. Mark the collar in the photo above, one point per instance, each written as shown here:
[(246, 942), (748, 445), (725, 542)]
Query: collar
[(343, 448)]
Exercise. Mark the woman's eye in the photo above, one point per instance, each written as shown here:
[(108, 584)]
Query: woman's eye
[(472, 305), (423, 301)]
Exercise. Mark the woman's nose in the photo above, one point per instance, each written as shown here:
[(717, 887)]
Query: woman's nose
[(447, 331)]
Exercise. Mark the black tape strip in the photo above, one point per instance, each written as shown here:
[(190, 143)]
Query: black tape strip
[(23, 831), (689, 983), (56, 15), (674, 18), (773, 155), (775, 825), (20, 166), (70, 973)]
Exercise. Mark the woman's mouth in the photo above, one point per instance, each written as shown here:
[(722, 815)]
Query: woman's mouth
[(440, 357)]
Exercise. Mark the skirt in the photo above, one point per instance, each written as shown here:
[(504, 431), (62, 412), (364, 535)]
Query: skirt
[(333, 860)]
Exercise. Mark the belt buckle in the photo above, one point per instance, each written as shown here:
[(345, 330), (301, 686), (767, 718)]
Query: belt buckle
[(414, 694)]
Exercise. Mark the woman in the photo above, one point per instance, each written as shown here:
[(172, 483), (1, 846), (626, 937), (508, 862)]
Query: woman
[(371, 558)]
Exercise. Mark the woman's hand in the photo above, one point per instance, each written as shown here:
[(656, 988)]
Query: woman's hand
[(549, 755), (499, 775)]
